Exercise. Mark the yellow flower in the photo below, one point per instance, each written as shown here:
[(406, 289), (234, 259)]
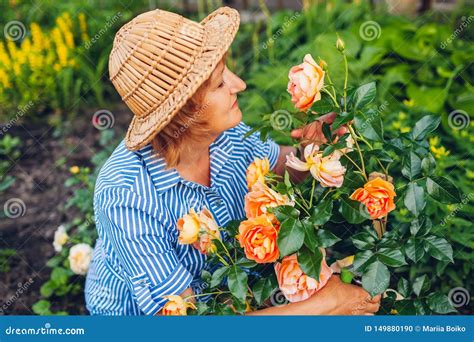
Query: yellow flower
[(83, 27), (405, 129), (74, 169), (393, 312), (409, 103), (402, 115), (439, 152)]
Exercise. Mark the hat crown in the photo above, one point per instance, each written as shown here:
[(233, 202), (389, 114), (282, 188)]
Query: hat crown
[(150, 57)]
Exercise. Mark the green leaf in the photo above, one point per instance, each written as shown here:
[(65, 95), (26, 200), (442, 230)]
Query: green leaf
[(326, 238), (327, 132), (376, 278), (439, 303), (310, 261), (363, 241), (403, 287), (244, 262), (405, 307), (424, 126), (428, 164), (346, 276), (284, 212), (439, 248), (362, 259), (415, 199), (414, 249), (369, 125), (262, 289), (341, 119), (59, 276), (218, 275), (442, 190), (237, 282), (391, 257), (290, 237), (420, 226), (411, 166), (363, 95), (42, 307), (310, 237), (421, 307), (421, 284), (47, 289), (352, 211), (321, 213)]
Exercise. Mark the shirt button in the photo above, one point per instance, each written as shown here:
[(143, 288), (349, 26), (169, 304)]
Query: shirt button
[(219, 203)]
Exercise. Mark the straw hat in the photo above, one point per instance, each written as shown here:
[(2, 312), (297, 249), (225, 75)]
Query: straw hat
[(158, 61)]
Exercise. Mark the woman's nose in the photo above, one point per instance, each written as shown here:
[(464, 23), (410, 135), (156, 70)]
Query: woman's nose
[(238, 85)]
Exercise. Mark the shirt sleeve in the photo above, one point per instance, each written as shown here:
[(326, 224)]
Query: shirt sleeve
[(144, 248), (256, 148)]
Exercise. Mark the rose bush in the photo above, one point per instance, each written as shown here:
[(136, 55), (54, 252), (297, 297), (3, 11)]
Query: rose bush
[(345, 211)]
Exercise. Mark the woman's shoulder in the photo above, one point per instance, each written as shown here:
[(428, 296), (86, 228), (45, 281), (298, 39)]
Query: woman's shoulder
[(119, 170)]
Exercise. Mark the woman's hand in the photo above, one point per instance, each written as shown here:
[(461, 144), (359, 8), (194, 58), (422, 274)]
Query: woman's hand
[(313, 132), (338, 298)]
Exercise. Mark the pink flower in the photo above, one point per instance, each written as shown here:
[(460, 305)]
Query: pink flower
[(328, 171), (295, 285), (306, 81)]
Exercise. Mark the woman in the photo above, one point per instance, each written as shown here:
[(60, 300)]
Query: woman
[(185, 148)]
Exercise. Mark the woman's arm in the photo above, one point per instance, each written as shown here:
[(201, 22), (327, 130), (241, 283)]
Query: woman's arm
[(336, 298)]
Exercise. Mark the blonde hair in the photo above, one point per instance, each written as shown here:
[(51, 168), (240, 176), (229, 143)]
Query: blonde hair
[(187, 125)]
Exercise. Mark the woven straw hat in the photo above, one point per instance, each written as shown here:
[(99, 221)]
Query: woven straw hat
[(158, 61)]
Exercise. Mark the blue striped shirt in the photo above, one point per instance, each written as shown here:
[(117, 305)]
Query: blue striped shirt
[(137, 258)]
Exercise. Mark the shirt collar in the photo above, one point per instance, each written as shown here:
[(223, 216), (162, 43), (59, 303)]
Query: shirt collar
[(222, 151)]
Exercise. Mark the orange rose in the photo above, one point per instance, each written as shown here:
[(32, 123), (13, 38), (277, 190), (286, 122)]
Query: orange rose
[(188, 227), (377, 195), (257, 171), (260, 198), (199, 229), (176, 306), (306, 81), (258, 238), (294, 284), (209, 231)]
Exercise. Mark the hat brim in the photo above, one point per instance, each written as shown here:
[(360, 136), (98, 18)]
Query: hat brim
[(220, 28)]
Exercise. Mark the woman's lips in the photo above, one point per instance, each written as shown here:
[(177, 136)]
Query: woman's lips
[(235, 104)]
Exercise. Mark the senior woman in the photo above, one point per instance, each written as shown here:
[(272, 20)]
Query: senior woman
[(185, 148)]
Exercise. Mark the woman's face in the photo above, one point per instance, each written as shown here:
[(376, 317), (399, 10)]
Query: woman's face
[(220, 100)]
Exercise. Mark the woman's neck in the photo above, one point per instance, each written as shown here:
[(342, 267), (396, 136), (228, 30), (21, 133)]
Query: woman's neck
[(194, 164)]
